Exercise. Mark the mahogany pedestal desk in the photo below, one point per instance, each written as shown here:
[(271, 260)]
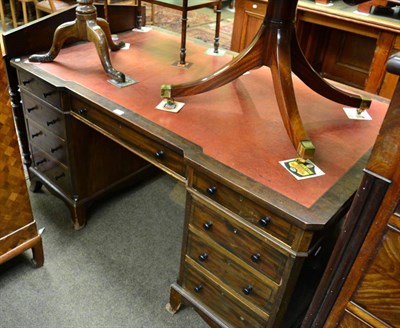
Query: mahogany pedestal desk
[(255, 239)]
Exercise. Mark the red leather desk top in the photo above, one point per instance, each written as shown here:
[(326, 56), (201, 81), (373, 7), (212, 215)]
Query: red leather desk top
[(238, 124)]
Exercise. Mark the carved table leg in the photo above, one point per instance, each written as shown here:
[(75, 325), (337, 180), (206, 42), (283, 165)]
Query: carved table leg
[(244, 62), (98, 37), (182, 61), (314, 81), (85, 27), (281, 71), (63, 32), (217, 26), (275, 46)]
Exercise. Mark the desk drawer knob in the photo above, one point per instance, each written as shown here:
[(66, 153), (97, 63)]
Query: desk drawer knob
[(44, 160), (53, 150), (37, 134), (51, 122), (25, 82), (208, 225), (256, 258), (160, 154), (57, 177), (82, 111), (198, 288), (247, 290), (46, 94), (31, 108), (264, 221), (211, 190), (203, 257)]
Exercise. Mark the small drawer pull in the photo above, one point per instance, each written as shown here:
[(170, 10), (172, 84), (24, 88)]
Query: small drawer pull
[(203, 257), (160, 154), (44, 160), (208, 225), (31, 108), (256, 257), (211, 190), (25, 82), (46, 94), (198, 288), (264, 221), (57, 177), (82, 111), (254, 6), (55, 149), (247, 290), (51, 122), (37, 134)]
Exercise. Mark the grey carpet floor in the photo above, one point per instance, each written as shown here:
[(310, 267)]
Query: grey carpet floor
[(115, 272)]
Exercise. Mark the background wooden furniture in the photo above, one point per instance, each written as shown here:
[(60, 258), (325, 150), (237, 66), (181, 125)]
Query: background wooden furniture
[(52, 6), (332, 39), (18, 230), (361, 285), (185, 6), (24, 4)]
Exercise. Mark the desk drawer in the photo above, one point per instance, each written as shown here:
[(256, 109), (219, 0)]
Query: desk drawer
[(237, 276), (144, 146), (47, 142), (40, 88), (55, 171), (43, 114), (234, 237), (245, 208), (220, 301)]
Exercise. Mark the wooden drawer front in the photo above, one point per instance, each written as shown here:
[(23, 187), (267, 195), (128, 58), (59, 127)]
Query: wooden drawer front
[(247, 209), (40, 88), (43, 114), (49, 143), (219, 301), (151, 150), (255, 7), (232, 235), (55, 171), (237, 276)]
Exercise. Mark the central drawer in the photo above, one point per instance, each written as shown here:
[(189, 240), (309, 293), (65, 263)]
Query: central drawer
[(232, 235), (153, 151)]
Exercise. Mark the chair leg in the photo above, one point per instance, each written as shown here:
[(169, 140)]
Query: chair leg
[(13, 14), (24, 12)]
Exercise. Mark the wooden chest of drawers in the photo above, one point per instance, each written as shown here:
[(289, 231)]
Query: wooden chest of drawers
[(59, 161), (243, 264)]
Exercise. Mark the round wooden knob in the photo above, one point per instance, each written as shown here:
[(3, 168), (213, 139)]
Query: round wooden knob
[(256, 258), (208, 225), (264, 221)]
